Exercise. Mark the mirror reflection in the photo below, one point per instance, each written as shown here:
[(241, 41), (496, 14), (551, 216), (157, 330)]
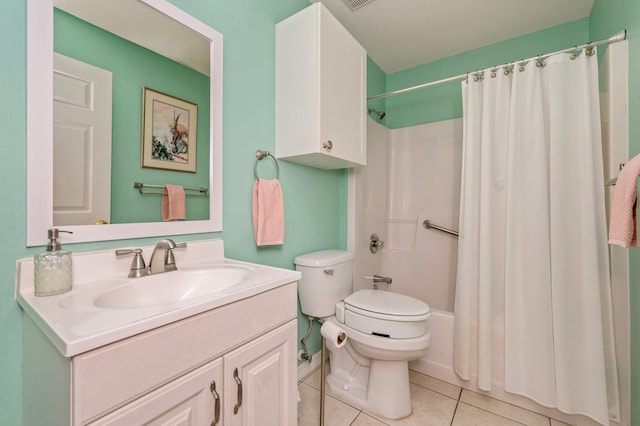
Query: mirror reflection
[(104, 58), (175, 44)]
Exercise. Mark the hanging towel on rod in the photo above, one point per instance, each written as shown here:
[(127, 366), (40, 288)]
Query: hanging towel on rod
[(173, 203), (268, 212), (623, 229)]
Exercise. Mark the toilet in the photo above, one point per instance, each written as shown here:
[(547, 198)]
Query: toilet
[(385, 330)]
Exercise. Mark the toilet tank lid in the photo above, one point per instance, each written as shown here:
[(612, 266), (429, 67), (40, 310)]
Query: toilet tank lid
[(323, 258)]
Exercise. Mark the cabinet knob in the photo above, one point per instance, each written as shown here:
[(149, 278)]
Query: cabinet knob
[(328, 145)]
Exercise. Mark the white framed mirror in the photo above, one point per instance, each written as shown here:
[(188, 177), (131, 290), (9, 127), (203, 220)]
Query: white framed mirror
[(40, 94)]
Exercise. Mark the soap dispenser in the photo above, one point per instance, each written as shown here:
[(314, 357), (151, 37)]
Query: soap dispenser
[(52, 269)]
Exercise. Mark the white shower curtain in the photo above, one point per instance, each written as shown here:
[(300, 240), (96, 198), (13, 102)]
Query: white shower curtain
[(533, 304)]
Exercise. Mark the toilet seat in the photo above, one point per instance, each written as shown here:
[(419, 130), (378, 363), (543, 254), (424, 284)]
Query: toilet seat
[(387, 349), (386, 314)]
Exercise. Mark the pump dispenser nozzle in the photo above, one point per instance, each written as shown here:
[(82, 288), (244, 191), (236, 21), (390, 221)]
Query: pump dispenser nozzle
[(53, 235)]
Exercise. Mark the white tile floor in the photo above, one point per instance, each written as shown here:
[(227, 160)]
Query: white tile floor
[(434, 403)]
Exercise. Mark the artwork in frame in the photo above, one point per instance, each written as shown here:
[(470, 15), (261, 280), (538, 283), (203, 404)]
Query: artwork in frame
[(169, 130)]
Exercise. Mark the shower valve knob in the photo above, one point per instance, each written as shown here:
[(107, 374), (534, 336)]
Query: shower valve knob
[(375, 243)]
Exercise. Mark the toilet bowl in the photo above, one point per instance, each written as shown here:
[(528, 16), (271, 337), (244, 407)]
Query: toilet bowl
[(385, 330)]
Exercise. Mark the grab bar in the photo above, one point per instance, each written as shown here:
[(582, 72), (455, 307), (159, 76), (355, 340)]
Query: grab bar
[(428, 225)]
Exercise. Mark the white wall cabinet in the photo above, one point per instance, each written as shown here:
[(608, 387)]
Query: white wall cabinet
[(165, 376), (321, 83)]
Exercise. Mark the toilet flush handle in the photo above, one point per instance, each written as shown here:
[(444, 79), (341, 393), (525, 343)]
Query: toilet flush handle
[(329, 272)]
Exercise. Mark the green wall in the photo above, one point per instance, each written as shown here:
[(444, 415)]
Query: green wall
[(12, 212), (134, 67), (315, 200), (607, 18), (444, 101)]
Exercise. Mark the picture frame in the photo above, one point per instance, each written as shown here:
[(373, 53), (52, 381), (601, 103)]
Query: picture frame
[(169, 132)]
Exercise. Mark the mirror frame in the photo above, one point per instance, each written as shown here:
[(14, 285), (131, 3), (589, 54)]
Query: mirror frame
[(39, 196)]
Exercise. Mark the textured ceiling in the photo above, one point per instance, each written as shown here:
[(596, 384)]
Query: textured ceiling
[(400, 34)]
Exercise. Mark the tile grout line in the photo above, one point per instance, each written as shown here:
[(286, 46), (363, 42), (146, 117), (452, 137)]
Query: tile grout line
[(437, 391), (455, 410), (472, 404)]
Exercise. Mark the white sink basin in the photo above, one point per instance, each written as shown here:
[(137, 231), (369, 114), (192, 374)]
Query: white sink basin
[(105, 306), (172, 287)]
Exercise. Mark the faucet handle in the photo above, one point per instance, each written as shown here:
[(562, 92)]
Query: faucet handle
[(138, 267), (170, 262)]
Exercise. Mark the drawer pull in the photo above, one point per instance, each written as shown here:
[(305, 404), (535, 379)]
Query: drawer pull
[(216, 410), (239, 382)]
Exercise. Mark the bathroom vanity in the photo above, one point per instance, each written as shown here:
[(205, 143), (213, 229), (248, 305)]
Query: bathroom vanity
[(224, 358)]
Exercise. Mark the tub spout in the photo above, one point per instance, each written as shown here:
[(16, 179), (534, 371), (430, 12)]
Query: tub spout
[(379, 279)]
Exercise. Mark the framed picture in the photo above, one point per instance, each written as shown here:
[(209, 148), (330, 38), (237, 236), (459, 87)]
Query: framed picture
[(169, 130)]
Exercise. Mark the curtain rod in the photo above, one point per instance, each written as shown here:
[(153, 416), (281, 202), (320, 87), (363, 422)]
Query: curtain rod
[(622, 35)]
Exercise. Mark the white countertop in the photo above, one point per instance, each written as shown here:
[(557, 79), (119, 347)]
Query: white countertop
[(84, 326)]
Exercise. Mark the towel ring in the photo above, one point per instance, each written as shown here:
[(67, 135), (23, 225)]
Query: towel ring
[(259, 156)]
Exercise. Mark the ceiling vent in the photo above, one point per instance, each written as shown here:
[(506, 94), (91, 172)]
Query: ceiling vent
[(356, 4)]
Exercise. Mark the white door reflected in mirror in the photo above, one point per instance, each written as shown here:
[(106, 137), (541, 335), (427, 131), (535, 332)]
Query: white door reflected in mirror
[(81, 143)]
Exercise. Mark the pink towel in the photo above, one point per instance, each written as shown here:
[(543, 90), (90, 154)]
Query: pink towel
[(623, 229), (267, 210), (173, 203)]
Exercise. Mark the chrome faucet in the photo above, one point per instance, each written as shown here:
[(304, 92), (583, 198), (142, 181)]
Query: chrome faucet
[(162, 259)]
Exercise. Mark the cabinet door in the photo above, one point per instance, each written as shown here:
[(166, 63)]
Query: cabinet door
[(260, 382), (191, 400), (343, 92)]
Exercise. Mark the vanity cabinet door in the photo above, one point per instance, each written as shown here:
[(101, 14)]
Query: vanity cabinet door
[(260, 382), (191, 400)]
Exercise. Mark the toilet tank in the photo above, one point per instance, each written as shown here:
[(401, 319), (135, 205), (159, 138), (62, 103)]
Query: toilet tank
[(327, 278)]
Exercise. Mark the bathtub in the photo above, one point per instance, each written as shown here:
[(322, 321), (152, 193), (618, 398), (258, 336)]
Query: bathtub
[(438, 362)]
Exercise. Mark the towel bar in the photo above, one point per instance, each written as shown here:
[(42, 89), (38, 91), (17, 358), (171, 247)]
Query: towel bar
[(202, 192)]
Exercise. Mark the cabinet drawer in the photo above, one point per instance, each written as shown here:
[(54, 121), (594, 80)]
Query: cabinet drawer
[(108, 377)]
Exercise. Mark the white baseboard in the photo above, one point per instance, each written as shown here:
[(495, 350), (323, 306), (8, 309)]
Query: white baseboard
[(306, 368)]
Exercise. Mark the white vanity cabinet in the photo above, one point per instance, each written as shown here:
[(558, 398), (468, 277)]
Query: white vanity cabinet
[(165, 376), (321, 83)]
